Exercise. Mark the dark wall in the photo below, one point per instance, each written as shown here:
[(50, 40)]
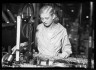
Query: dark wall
[(9, 36)]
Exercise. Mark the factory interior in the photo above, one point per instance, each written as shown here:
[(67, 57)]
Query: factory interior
[(77, 18)]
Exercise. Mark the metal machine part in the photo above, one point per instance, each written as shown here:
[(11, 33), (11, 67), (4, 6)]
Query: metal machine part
[(70, 62)]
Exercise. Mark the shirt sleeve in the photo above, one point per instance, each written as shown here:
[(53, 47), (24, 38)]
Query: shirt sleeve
[(37, 29), (66, 46)]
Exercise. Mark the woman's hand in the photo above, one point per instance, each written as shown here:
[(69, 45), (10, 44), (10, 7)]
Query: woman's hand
[(63, 55), (36, 54)]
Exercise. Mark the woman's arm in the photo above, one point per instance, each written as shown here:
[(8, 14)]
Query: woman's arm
[(66, 46)]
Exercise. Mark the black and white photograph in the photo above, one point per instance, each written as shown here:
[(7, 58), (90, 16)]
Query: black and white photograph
[(48, 35)]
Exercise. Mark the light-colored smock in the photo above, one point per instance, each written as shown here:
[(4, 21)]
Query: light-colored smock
[(49, 42)]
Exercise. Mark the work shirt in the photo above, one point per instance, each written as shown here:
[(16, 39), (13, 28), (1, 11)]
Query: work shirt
[(49, 42)]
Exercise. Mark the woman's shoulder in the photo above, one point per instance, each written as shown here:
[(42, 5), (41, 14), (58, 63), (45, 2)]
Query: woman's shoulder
[(39, 26), (61, 27)]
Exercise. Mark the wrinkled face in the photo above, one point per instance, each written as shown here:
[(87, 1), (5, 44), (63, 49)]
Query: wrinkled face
[(47, 19)]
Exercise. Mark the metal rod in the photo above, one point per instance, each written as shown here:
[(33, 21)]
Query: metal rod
[(18, 37), (90, 37), (4, 17), (79, 29), (11, 15)]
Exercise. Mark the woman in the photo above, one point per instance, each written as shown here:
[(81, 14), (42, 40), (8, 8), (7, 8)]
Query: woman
[(51, 36)]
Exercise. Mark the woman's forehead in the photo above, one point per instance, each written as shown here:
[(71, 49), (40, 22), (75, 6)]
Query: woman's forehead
[(45, 15)]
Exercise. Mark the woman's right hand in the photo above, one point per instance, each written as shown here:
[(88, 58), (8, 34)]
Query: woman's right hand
[(35, 54)]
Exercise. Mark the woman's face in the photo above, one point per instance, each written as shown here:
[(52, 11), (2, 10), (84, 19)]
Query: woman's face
[(47, 19)]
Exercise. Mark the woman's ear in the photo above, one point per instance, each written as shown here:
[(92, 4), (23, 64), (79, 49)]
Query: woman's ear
[(54, 16)]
